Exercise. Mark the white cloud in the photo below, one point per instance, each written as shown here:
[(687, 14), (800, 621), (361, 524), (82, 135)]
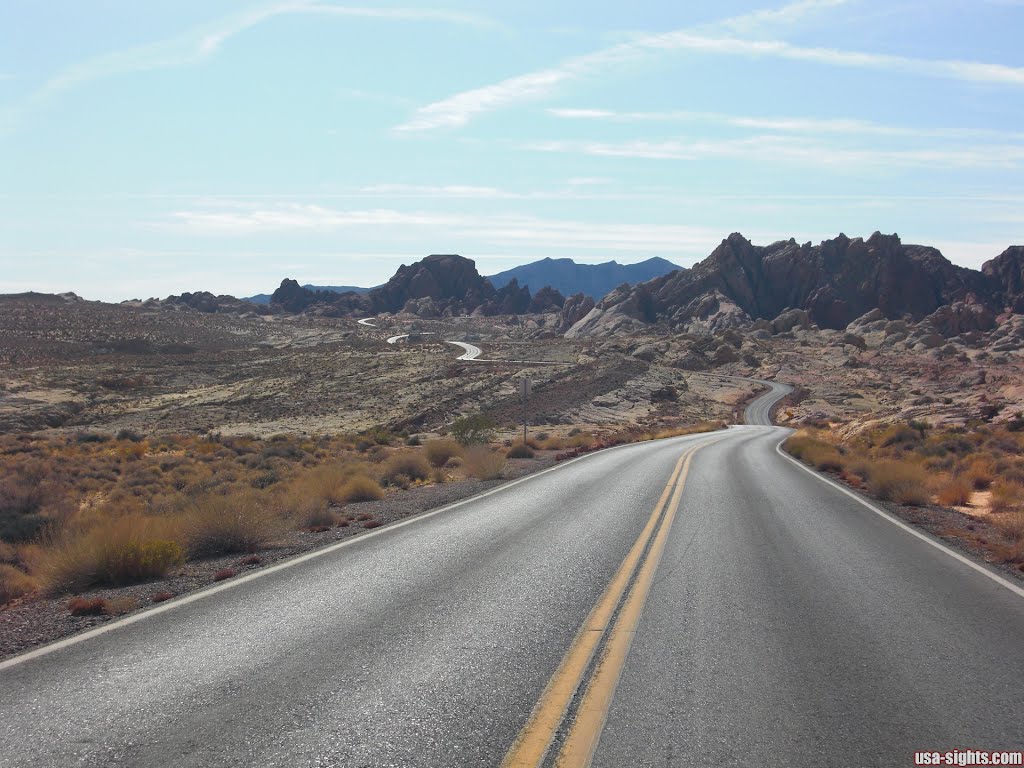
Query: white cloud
[(781, 124), (198, 44), (502, 230), (774, 148), (457, 110), (787, 15)]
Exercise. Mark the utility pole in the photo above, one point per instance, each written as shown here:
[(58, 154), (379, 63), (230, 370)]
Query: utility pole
[(525, 385)]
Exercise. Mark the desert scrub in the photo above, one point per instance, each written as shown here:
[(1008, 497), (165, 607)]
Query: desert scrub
[(483, 463), (814, 451), (1007, 496), (438, 452), (406, 465), (14, 583), (899, 481), (241, 522), (520, 451), (361, 488), (113, 551), (955, 491)]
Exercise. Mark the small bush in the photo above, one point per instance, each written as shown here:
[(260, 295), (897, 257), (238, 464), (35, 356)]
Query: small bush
[(1007, 497), (115, 551), (250, 560), (372, 524), (483, 463), (361, 488), (817, 453), (901, 434), (438, 452), (980, 473), (899, 481), (243, 522), (520, 451), (224, 573), (1010, 524), (14, 583), (955, 492), (473, 430), (161, 597), (409, 465), (84, 606)]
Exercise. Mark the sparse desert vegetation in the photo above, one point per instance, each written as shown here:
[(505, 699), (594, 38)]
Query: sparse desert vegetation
[(978, 469)]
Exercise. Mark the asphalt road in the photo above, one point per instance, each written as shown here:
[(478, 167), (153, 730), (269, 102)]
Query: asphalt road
[(785, 624)]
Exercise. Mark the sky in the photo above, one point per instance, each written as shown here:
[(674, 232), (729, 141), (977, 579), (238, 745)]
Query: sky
[(181, 145)]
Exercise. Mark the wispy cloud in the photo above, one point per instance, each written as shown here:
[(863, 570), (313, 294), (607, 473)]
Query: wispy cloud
[(457, 110), (497, 231), (198, 44), (787, 15), (774, 148), (781, 124)]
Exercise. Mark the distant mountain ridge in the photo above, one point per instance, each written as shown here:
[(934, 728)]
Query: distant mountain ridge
[(594, 280), (830, 285)]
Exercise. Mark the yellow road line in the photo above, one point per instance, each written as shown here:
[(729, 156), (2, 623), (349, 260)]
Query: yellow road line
[(535, 738), (579, 746)]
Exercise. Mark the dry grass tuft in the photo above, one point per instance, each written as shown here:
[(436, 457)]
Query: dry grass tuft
[(816, 452), (224, 573), (114, 551), (84, 606), (519, 451), (15, 583), (1010, 524), (483, 463), (1007, 497), (407, 466), (161, 597), (241, 522), (955, 491), (899, 481), (438, 452), (361, 488)]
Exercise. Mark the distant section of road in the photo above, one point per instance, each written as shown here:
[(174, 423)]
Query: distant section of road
[(759, 410), (471, 352), (367, 321)]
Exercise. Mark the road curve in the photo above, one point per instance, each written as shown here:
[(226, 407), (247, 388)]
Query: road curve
[(471, 352), (785, 623), (368, 321), (759, 410)]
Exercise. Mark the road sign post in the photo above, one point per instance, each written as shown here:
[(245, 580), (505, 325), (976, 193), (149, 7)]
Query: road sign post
[(525, 385)]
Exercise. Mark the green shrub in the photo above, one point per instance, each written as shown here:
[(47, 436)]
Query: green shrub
[(472, 430)]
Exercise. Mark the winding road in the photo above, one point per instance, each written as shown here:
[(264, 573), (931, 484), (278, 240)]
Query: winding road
[(695, 601)]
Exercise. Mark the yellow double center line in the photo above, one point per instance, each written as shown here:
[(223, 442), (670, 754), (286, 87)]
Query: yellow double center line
[(534, 741)]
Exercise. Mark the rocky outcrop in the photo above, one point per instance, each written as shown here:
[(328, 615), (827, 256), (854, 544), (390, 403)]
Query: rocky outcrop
[(204, 301), (292, 297), (547, 299), (450, 281), (574, 309), (834, 283), (1006, 271)]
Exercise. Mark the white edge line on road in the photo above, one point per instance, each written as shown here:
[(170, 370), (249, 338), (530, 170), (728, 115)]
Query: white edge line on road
[(1002, 581), (293, 561)]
